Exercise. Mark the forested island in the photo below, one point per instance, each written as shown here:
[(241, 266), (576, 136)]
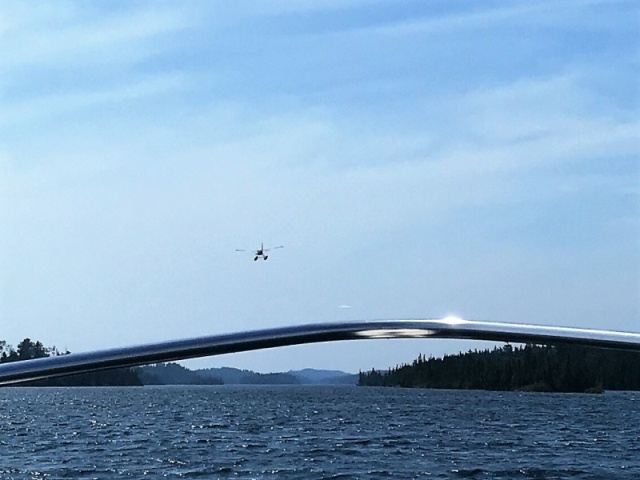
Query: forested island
[(175, 374), (28, 350), (526, 368)]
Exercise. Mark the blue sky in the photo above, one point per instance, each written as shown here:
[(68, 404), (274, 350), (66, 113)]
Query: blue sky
[(417, 159)]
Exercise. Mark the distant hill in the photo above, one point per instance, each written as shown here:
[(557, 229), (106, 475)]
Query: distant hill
[(234, 376), (324, 377), (175, 374)]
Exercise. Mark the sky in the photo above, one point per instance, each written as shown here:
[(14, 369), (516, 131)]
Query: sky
[(416, 160)]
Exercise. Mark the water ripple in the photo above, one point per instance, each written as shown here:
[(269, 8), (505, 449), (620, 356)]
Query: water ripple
[(315, 432)]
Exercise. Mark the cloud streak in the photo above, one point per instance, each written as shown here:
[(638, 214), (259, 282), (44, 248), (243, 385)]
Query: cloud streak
[(65, 34)]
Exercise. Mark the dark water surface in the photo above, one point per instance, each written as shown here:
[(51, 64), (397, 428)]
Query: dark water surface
[(315, 432)]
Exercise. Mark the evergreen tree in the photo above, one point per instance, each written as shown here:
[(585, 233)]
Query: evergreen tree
[(530, 367), (28, 350)]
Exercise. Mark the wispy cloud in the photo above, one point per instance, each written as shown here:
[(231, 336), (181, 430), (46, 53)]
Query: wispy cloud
[(514, 15), (52, 105), (67, 33)]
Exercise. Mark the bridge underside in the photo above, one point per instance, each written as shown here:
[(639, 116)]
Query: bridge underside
[(16, 372)]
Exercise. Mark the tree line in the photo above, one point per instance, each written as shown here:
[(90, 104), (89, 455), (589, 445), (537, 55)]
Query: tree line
[(527, 368), (28, 350)]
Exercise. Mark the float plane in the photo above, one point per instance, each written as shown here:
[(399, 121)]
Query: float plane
[(260, 252)]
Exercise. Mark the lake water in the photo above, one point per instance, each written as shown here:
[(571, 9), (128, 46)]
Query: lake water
[(303, 432)]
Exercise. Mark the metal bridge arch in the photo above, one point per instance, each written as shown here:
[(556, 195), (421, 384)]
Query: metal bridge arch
[(450, 327)]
